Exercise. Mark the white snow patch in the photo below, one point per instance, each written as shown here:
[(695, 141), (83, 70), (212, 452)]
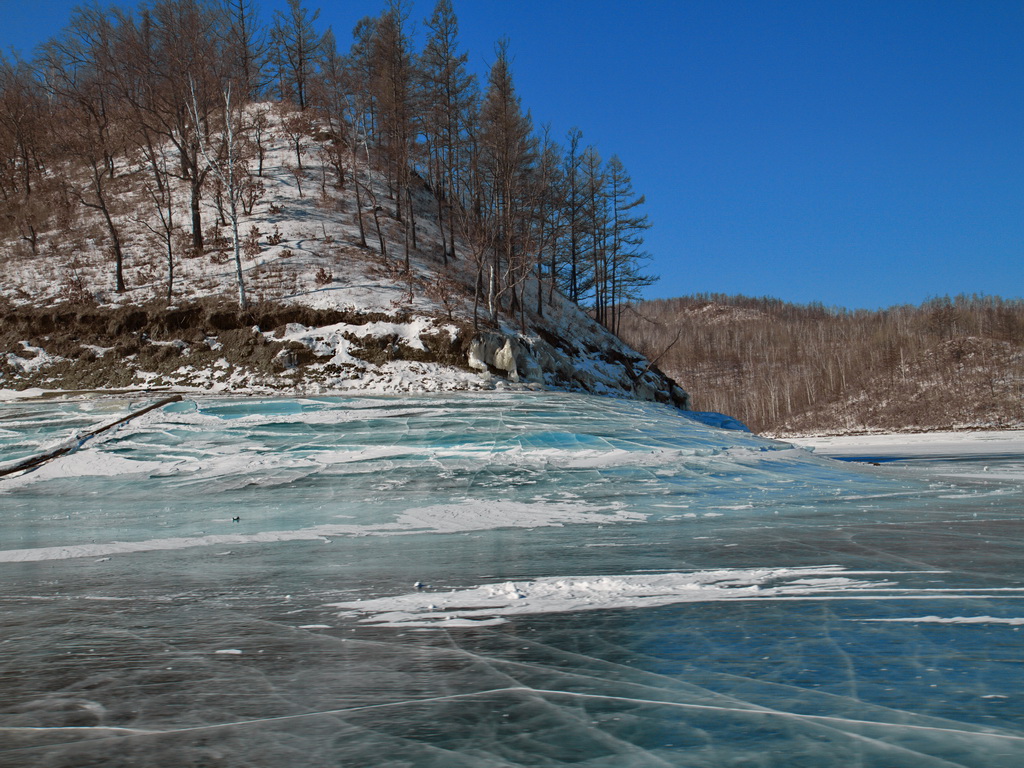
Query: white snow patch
[(474, 516), (38, 358), (84, 464), (8, 395), (492, 603), (925, 445)]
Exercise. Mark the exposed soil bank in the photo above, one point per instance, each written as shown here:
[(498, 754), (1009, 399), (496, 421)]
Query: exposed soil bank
[(88, 347), (211, 344)]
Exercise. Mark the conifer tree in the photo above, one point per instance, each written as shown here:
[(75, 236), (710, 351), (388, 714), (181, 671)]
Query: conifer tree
[(625, 240), (507, 152), (246, 47), (596, 224), (298, 48), (574, 214), (548, 193)]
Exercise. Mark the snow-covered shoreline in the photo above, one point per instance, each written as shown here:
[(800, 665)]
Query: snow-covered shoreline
[(917, 445)]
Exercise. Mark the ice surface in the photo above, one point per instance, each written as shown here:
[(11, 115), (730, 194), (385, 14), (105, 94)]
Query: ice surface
[(497, 580)]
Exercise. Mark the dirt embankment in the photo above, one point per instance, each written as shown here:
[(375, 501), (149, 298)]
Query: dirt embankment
[(195, 344)]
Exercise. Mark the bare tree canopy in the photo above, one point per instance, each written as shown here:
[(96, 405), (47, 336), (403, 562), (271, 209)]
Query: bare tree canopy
[(142, 94)]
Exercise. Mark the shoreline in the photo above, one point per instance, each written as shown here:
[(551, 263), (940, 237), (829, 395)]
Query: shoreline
[(976, 442)]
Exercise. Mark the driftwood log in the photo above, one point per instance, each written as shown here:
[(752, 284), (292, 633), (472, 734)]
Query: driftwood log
[(76, 443)]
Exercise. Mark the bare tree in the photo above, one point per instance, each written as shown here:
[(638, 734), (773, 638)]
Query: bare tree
[(360, 117), (478, 236), (90, 127), (547, 195), (163, 201), (448, 91), (392, 88), (181, 83), (228, 171), (259, 125), (595, 217), (331, 91), (23, 127)]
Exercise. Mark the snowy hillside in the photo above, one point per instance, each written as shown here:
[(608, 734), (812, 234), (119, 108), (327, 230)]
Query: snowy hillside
[(325, 314)]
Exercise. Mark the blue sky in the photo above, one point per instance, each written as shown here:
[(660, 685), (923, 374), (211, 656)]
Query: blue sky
[(859, 153)]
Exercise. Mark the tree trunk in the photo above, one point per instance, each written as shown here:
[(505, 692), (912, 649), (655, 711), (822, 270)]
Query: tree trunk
[(359, 201), (197, 215)]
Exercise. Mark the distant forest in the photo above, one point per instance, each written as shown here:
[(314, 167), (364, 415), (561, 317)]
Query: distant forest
[(786, 368), (127, 106)]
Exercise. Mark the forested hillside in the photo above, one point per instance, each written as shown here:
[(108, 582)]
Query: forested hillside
[(160, 162), (161, 114), (785, 368)]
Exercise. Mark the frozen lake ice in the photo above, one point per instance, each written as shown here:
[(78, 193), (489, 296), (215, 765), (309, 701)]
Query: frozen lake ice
[(497, 580)]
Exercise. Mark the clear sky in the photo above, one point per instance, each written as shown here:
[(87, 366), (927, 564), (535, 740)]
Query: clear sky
[(861, 153)]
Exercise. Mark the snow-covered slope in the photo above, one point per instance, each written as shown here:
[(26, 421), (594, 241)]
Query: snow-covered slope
[(326, 314)]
